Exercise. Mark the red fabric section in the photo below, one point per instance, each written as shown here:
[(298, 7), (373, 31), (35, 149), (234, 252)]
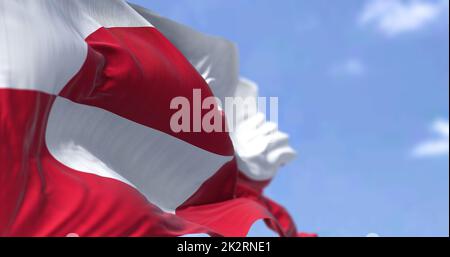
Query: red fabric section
[(135, 73), (232, 218), (282, 222), (220, 187), (22, 116), (304, 234)]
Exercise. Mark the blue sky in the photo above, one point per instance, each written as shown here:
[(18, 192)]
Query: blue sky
[(364, 94)]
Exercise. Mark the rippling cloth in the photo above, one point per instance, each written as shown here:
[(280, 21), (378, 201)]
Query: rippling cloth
[(85, 141)]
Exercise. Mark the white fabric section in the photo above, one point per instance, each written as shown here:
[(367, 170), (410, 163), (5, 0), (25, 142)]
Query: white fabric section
[(261, 149), (165, 169), (215, 58), (42, 41), (39, 49), (89, 15)]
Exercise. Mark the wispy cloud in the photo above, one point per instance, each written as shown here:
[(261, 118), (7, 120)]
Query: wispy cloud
[(393, 17), (350, 67), (437, 146)]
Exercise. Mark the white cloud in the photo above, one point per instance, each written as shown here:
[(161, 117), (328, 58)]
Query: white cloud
[(349, 67), (393, 17), (437, 146)]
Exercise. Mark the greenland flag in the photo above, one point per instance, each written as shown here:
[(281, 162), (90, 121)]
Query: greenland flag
[(86, 146)]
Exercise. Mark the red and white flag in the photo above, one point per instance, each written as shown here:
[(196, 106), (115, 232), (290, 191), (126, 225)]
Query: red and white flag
[(86, 146)]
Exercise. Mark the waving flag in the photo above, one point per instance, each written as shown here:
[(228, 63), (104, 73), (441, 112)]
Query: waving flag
[(86, 146)]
